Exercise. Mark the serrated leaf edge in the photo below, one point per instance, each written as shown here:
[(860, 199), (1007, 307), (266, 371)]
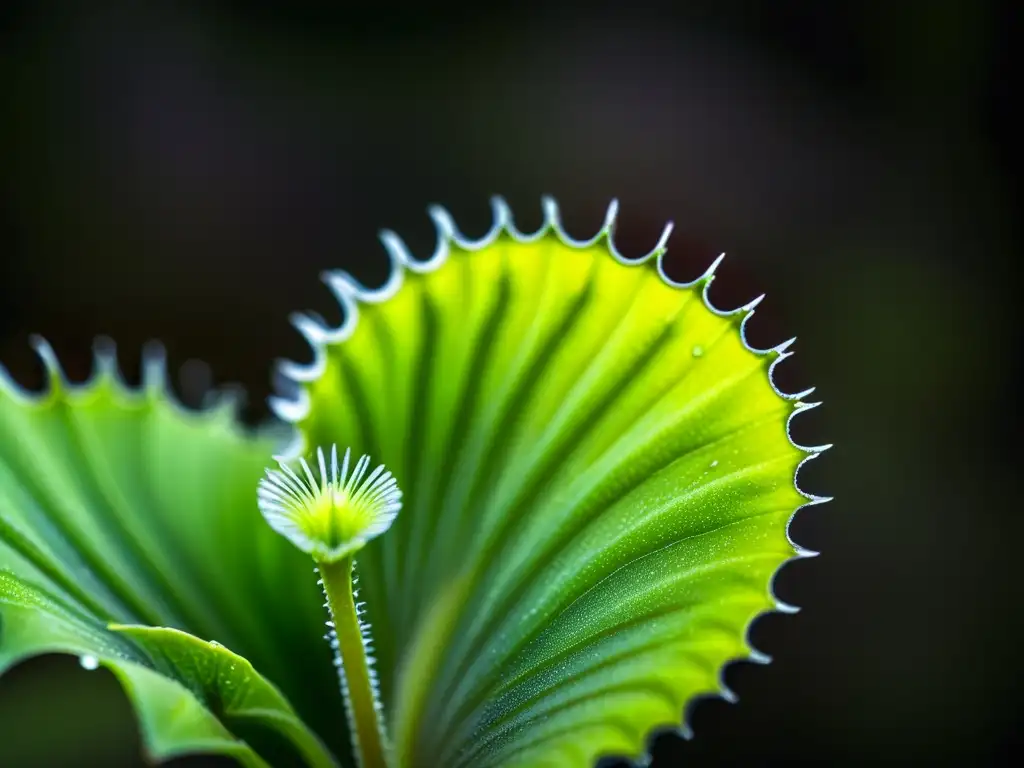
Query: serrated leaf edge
[(292, 404), (222, 403)]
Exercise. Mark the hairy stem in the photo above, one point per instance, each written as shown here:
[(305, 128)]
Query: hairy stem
[(361, 695)]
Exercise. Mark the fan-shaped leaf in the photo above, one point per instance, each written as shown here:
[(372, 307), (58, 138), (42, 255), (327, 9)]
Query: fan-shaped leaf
[(121, 506), (598, 481)]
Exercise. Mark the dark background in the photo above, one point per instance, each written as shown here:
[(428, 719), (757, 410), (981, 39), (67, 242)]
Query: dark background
[(183, 171)]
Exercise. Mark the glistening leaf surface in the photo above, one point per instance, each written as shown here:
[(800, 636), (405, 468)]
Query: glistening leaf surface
[(598, 480), (172, 719), (118, 505), (227, 683)]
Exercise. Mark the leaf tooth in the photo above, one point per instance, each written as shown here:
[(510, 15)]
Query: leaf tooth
[(553, 216), (784, 607), (802, 407), (801, 395), (803, 552), (444, 223), (54, 373), (154, 367), (396, 248), (780, 349), (661, 246), (815, 450), (709, 273), (299, 372), (310, 328), (750, 305), (611, 217), (104, 351), (291, 410), (501, 214)]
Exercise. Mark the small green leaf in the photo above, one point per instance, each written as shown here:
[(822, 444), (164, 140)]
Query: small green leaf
[(226, 684), (172, 720)]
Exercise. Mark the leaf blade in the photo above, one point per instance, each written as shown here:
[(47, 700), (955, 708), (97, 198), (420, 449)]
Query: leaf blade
[(212, 671), (155, 506), (613, 414), (171, 720)]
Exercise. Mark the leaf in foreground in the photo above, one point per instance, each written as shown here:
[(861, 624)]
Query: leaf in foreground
[(119, 506)]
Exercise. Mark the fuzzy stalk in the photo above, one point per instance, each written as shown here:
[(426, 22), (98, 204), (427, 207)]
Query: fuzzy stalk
[(365, 716)]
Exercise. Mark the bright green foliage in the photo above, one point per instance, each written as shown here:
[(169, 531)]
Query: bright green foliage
[(121, 506), (597, 479), (228, 684)]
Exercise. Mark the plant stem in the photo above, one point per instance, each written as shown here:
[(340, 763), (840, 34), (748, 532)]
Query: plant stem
[(367, 725)]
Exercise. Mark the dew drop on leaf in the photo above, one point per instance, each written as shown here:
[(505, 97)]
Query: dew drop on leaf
[(89, 662), (698, 350)]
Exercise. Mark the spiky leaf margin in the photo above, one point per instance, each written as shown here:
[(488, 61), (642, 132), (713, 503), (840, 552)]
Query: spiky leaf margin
[(302, 384), (120, 505)]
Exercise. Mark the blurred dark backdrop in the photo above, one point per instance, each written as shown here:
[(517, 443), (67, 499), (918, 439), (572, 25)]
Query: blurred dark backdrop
[(183, 171)]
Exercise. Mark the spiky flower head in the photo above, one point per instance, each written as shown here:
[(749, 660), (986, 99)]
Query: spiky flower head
[(335, 515)]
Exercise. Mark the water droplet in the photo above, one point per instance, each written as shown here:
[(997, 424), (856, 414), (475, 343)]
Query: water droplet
[(89, 662), (698, 350), (215, 644), (714, 463)]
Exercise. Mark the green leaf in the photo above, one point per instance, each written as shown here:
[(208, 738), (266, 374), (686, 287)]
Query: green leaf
[(172, 719), (598, 480), (120, 506), (227, 684)]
